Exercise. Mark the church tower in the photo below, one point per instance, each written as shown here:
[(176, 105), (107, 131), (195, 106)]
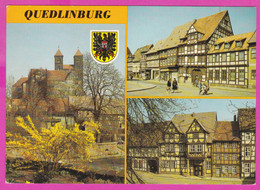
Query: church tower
[(78, 61), (58, 59)]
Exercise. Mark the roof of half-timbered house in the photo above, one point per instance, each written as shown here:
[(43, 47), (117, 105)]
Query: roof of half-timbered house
[(207, 119), (158, 46), (227, 131), (139, 51), (207, 25), (253, 39), (178, 32), (245, 37)]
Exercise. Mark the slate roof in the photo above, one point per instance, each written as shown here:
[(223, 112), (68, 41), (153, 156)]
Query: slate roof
[(20, 82), (78, 53), (140, 50), (58, 53), (245, 37), (57, 75), (227, 131)]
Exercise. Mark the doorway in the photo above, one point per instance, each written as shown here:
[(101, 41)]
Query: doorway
[(198, 170), (153, 166)]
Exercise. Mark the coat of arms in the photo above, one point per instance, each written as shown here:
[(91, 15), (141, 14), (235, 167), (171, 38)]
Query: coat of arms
[(104, 46)]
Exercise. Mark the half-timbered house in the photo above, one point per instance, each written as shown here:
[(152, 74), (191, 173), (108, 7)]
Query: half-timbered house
[(193, 48), (226, 150), (228, 61), (153, 58), (197, 144), (130, 58), (247, 125), (139, 63)]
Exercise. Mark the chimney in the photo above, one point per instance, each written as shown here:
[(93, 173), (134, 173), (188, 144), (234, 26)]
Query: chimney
[(193, 114), (235, 118)]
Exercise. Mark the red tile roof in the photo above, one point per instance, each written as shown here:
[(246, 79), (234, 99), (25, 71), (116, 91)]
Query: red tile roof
[(227, 131), (58, 53), (57, 75), (78, 53), (20, 82), (68, 67)]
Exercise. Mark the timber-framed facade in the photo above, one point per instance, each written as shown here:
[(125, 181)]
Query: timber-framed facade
[(197, 144), (188, 54)]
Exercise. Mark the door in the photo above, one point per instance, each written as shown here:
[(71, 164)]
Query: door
[(198, 170), (217, 172)]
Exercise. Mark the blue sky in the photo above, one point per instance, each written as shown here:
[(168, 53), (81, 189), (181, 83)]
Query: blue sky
[(225, 111), (34, 45), (147, 25)]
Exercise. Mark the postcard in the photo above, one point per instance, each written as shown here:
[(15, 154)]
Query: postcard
[(123, 95)]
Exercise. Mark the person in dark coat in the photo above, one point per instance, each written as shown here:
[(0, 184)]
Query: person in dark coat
[(169, 84), (174, 85)]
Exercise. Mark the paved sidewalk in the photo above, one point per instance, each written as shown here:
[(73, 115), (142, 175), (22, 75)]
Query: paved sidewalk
[(152, 178), (158, 88)]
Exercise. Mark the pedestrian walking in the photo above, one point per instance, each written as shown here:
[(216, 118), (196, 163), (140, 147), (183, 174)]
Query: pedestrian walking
[(169, 84), (200, 86), (174, 85)]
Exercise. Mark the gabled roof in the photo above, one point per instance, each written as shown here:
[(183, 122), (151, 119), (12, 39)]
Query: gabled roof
[(158, 46), (227, 131), (208, 24), (178, 32), (20, 82), (253, 39), (68, 67), (207, 119), (129, 53), (58, 53), (57, 75), (140, 50), (78, 53), (245, 37)]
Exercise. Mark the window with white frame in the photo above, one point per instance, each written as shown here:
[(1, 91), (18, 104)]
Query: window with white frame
[(234, 145), (217, 156), (248, 136), (247, 167), (234, 156), (225, 145), (234, 170), (208, 165), (225, 156), (247, 151), (192, 148), (199, 148)]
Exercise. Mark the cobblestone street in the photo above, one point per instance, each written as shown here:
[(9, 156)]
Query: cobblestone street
[(158, 88), (152, 178)]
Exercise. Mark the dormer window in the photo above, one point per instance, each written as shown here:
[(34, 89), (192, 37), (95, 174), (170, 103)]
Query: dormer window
[(216, 46), (227, 45), (239, 44)]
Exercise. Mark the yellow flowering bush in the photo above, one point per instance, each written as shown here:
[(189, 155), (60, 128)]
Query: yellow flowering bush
[(55, 145)]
